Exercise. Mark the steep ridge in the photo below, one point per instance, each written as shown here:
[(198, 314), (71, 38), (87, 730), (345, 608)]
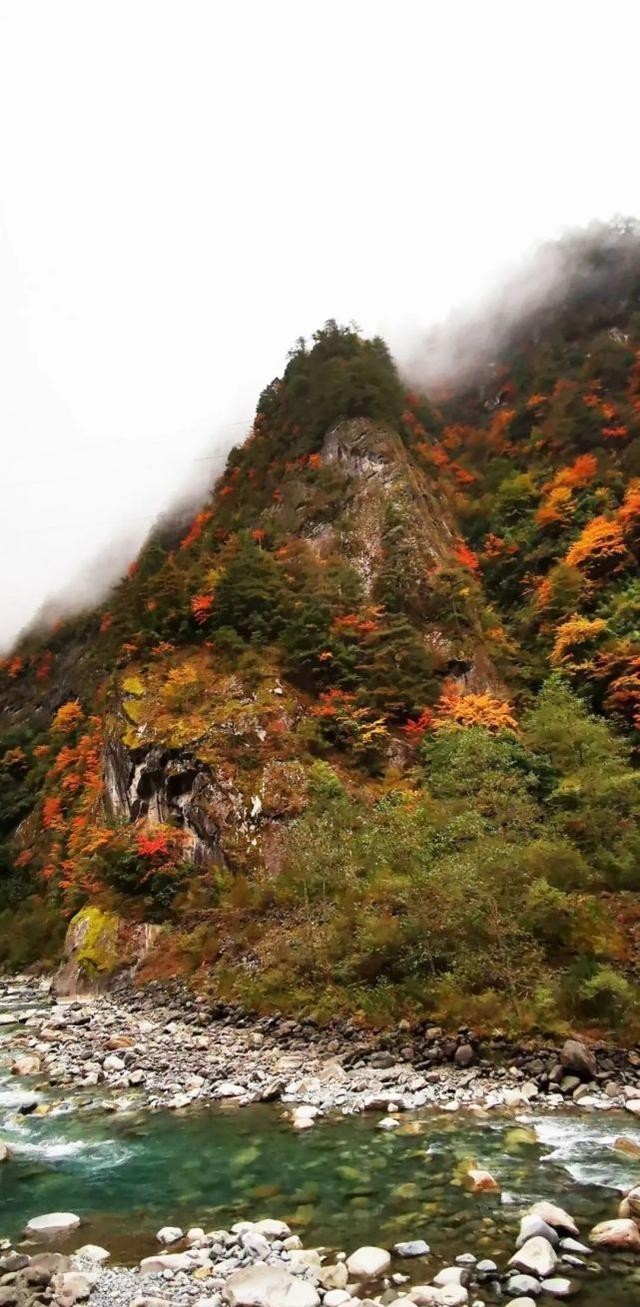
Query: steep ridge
[(334, 735)]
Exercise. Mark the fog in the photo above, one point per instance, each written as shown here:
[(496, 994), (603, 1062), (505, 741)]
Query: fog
[(187, 188)]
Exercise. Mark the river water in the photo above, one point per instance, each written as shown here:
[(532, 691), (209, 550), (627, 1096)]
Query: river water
[(341, 1184)]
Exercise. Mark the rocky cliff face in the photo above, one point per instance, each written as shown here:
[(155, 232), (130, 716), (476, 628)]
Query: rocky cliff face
[(298, 734)]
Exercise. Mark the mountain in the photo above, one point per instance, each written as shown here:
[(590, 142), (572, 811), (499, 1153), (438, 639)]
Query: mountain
[(362, 737)]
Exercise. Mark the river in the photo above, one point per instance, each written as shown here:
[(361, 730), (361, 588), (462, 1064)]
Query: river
[(341, 1184)]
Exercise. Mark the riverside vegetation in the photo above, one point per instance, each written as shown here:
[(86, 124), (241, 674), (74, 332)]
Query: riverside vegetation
[(361, 737)]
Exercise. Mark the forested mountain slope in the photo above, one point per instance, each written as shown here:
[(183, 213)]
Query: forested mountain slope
[(362, 736)]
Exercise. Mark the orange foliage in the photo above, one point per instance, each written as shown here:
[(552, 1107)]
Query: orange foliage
[(456, 707), (52, 818), (599, 546), (14, 666), (629, 511), (106, 622), (197, 527), (67, 718), (557, 508)]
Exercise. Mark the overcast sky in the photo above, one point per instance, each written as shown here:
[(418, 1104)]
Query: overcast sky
[(187, 187)]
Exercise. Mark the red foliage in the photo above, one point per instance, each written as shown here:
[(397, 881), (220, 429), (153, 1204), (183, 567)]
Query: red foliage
[(466, 557), (152, 846), (201, 606), (416, 727)]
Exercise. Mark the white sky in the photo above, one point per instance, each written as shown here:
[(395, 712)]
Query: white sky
[(187, 187)]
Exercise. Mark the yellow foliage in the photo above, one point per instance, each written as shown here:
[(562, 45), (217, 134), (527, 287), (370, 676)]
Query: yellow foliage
[(457, 708), (573, 635)]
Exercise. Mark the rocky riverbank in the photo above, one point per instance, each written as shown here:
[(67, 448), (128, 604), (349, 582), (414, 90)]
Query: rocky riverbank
[(262, 1264), (172, 1050)]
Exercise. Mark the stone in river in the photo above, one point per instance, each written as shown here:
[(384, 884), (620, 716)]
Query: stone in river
[(28, 1064), (367, 1263), (452, 1295), (578, 1059), (336, 1297), (535, 1257), (622, 1233), (633, 1105), (628, 1146), (532, 1225), (169, 1234), (630, 1205), (5, 1152), (53, 1223), (521, 1302), (92, 1252), (272, 1229), (412, 1248), (555, 1216), (573, 1246), (483, 1181), (559, 1287), (528, 1285)]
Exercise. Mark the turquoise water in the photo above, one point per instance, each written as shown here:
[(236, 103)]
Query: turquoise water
[(341, 1184)]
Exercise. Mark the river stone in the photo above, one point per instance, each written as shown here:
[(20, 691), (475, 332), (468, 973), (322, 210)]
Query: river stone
[(44, 1265), (535, 1257), (521, 1302), (559, 1287), (272, 1229), (92, 1252), (482, 1181), (412, 1248), (169, 1234), (52, 1223), (578, 1059), (630, 1205), (615, 1234), (555, 1216), (5, 1152), (450, 1275), (452, 1295), (166, 1262), (336, 1297), (73, 1285), (268, 1286), (531, 1225), (573, 1246), (523, 1284), (464, 1055), (425, 1295), (28, 1064), (333, 1276), (367, 1263)]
